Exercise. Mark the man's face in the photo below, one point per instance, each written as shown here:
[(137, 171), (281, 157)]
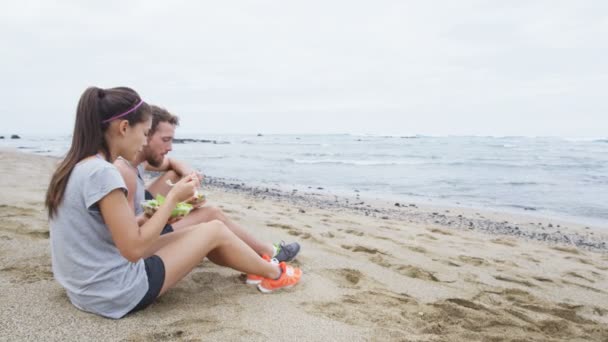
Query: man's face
[(159, 144)]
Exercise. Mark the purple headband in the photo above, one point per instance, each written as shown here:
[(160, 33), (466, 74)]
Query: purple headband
[(125, 113)]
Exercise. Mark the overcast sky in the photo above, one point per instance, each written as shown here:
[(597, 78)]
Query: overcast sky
[(377, 67)]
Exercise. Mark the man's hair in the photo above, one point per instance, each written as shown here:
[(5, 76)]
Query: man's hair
[(161, 115)]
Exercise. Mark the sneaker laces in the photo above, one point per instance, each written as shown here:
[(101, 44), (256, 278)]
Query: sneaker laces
[(278, 247)]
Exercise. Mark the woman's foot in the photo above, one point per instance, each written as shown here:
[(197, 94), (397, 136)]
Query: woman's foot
[(289, 277), (254, 279)]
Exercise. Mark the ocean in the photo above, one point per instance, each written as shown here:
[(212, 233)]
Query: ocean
[(543, 176)]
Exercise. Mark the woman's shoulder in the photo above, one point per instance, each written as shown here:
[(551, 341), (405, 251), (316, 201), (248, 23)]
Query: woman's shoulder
[(94, 165)]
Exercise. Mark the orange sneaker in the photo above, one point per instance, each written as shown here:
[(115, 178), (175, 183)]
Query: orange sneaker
[(289, 277), (254, 279)]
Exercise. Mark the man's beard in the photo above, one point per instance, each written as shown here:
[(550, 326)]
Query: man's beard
[(154, 162)]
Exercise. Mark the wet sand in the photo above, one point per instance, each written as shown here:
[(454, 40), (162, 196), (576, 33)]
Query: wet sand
[(372, 271)]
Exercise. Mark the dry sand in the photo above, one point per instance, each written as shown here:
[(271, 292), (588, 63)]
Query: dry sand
[(364, 279)]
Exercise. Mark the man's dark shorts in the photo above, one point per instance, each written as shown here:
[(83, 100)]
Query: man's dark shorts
[(168, 228)]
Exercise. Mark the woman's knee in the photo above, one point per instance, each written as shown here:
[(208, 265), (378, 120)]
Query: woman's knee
[(214, 227)]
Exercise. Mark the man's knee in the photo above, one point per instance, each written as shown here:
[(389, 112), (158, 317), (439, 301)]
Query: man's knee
[(213, 227), (172, 175), (215, 213)]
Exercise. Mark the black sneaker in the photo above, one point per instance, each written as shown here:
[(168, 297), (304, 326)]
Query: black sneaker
[(286, 252)]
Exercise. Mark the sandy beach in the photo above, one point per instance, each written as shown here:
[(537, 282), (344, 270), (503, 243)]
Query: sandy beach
[(372, 271)]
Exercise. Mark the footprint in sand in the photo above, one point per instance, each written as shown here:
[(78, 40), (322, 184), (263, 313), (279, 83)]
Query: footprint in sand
[(530, 258), (566, 282), (439, 231), (190, 322), (354, 232), (504, 242), (505, 262), (410, 271), (328, 235), (415, 272), (543, 279), (27, 274), (475, 261), (173, 335), (448, 262), (389, 228), (291, 230), (344, 277), (570, 250), (514, 312), (387, 313), (573, 274), (515, 281), (428, 236), (417, 249), (15, 227), (362, 249), (14, 211), (587, 262)]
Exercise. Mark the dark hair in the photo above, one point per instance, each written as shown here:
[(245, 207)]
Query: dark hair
[(95, 106), (161, 115)]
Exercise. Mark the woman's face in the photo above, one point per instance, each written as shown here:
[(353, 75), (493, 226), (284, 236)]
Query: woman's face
[(136, 139)]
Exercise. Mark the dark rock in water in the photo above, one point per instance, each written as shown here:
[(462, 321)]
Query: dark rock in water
[(15, 136), (188, 140), (319, 188), (397, 204), (260, 135), (302, 211), (384, 217), (1, 136)]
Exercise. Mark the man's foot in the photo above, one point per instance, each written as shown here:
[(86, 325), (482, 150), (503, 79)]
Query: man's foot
[(289, 277), (254, 279), (286, 252)]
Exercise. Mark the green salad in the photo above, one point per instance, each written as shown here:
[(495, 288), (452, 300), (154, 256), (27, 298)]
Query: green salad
[(150, 206)]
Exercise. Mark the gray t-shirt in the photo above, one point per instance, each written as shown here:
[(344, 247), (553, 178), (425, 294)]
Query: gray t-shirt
[(86, 262)]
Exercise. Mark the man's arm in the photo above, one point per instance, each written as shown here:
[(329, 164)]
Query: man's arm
[(181, 168)]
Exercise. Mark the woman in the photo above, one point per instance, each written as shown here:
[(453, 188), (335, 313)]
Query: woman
[(106, 262)]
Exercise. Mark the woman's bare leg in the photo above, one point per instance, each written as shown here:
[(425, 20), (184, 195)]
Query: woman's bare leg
[(187, 250), (165, 239), (207, 214)]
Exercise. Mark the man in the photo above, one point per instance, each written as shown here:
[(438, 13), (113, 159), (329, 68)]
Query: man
[(154, 157)]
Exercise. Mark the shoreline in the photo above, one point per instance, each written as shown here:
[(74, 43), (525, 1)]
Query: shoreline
[(526, 227)]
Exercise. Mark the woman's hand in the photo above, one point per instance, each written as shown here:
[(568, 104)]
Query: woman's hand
[(184, 189)]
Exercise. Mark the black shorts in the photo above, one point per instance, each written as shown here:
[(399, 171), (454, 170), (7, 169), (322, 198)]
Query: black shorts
[(155, 269), (168, 228)]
